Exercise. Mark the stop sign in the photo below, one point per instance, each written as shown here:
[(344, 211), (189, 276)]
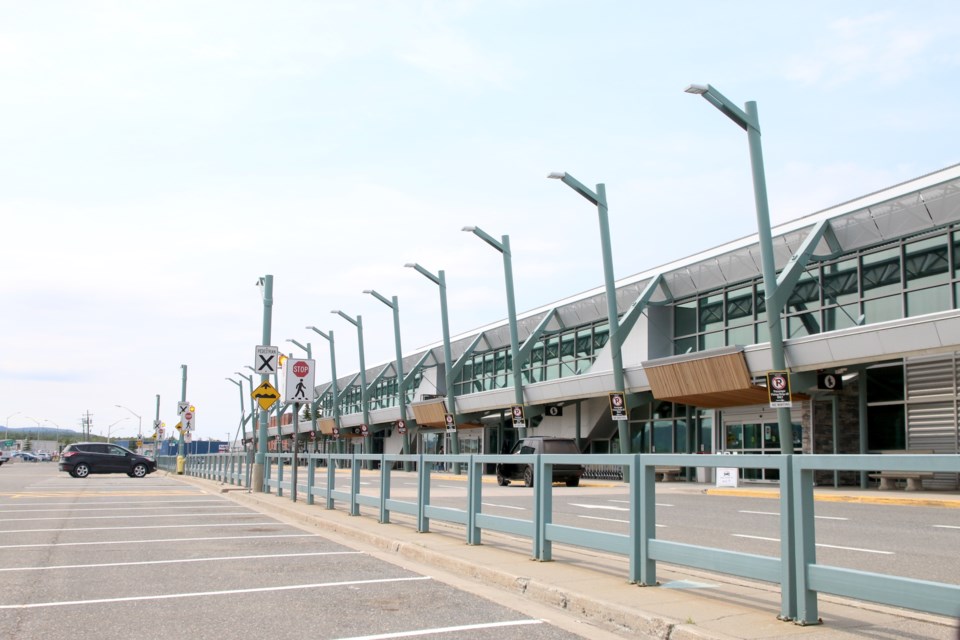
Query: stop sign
[(301, 369), (188, 415)]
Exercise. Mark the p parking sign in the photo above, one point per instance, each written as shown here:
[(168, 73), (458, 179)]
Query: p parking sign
[(778, 388)]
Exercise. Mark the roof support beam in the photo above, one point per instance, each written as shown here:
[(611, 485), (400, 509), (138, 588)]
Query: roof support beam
[(457, 367), (527, 346), (636, 309), (791, 273), (407, 379)]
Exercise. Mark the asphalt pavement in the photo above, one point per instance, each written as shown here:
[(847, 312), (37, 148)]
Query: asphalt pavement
[(687, 604)]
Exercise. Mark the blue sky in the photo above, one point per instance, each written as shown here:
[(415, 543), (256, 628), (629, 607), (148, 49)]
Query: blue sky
[(158, 157)]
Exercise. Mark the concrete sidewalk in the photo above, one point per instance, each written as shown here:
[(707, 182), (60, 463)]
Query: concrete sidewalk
[(592, 586)]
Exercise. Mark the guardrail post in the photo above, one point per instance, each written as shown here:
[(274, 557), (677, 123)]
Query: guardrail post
[(474, 498), (788, 598), (423, 495), (279, 475), (543, 507), (643, 501), (354, 486), (267, 472), (805, 544), (331, 480), (384, 489), (311, 471)]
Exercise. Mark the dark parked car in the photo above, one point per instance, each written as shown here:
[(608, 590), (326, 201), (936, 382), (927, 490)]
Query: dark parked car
[(83, 458), (568, 473)]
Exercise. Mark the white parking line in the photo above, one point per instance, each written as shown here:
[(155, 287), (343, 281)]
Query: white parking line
[(156, 515), (776, 513), (598, 506), (659, 504), (503, 506), (161, 526), (437, 630), (826, 546), (183, 560), (453, 486), (946, 526), (222, 505), (104, 502), (170, 596), (172, 540), (614, 520)]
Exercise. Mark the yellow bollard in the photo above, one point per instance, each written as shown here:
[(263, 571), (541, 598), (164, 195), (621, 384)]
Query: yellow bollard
[(181, 463)]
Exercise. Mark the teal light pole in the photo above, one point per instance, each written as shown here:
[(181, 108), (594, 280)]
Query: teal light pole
[(266, 288), (441, 281), (749, 120), (181, 445), (401, 390), (313, 416), (503, 246), (328, 336), (599, 198), (156, 430), (253, 405), (243, 410), (364, 399)]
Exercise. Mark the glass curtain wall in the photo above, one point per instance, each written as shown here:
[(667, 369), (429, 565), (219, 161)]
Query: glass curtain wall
[(912, 277)]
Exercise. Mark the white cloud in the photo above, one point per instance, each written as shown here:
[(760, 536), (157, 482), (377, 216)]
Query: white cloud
[(885, 48)]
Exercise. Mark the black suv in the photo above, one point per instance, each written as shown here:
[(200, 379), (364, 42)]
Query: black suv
[(83, 458), (568, 473)]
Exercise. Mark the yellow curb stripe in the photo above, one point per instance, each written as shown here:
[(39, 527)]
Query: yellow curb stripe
[(915, 502)]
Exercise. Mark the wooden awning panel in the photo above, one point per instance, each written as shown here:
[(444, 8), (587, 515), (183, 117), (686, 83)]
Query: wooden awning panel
[(710, 379), (430, 413)]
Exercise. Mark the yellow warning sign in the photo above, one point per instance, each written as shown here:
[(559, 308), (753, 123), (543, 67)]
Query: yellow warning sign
[(265, 395)]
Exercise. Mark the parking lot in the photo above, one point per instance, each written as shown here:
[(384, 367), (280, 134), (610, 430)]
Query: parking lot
[(118, 557)]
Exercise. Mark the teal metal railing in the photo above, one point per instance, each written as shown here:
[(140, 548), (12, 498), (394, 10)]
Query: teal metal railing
[(796, 570)]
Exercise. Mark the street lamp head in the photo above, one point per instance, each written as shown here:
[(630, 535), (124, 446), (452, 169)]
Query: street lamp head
[(311, 328), (412, 265), (336, 311), (557, 175), (368, 291), (469, 229), (697, 89)]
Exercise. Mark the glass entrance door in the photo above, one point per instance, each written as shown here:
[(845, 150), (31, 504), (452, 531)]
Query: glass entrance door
[(759, 438)]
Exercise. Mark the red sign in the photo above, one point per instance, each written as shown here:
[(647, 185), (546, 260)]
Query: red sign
[(363, 429), (188, 416), (301, 369)]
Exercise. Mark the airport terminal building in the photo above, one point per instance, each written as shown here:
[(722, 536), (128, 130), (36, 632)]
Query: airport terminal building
[(871, 332)]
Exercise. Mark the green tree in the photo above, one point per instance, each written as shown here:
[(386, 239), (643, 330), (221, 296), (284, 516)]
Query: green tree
[(27, 445)]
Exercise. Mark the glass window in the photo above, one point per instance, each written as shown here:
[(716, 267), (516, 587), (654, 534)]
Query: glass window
[(740, 306), (711, 313), (663, 436), (881, 273), (711, 340), (684, 345), (840, 282), (887, 427), (685, 318), (841, 317), (885, 384), (706, 434), (806, 293), (925, 262), (883, 309), (928, 300), (680, 436), (734, 436)]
